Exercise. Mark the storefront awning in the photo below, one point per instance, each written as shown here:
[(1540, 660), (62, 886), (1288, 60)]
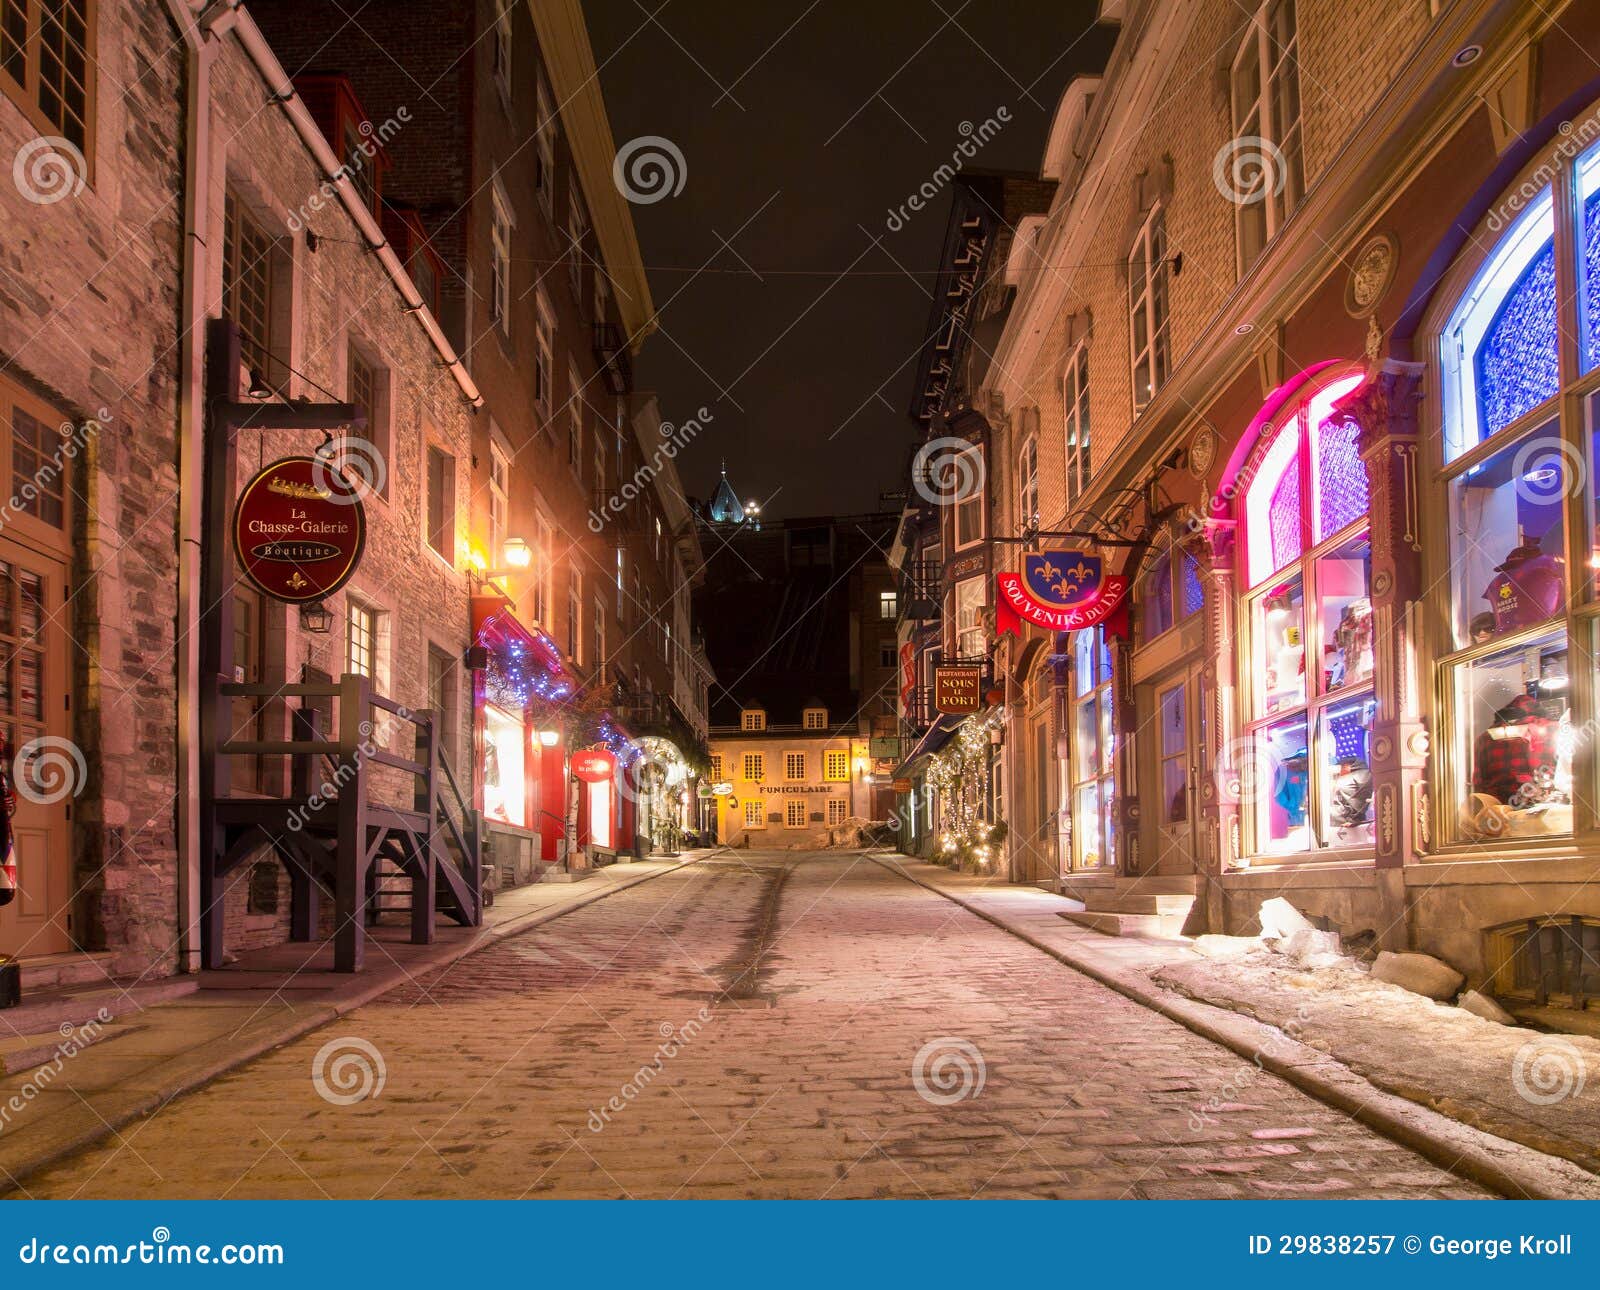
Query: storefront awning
[(933, 739)]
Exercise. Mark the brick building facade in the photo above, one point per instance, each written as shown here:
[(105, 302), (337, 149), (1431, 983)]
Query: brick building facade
[(1307, 322)]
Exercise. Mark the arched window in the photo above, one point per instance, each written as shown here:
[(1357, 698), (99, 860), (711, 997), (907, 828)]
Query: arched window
[(1517, 463), (1307, 616)]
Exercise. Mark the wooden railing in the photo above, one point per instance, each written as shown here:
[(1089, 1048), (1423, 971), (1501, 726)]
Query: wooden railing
[(331, 798)]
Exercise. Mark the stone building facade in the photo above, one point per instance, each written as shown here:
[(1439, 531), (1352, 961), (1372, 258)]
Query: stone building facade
[(89, 310), (789, 783), (1318, 343)]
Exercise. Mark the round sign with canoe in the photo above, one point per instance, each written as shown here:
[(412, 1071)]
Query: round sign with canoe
[(299, 529)]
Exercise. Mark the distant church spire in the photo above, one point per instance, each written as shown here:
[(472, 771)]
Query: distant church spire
[(726, 507)]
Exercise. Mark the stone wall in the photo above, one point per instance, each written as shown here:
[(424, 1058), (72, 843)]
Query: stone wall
[(341, 296), (89, 316)]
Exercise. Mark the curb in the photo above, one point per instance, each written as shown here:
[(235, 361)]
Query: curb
[(1507, 1168), (195, 1071)]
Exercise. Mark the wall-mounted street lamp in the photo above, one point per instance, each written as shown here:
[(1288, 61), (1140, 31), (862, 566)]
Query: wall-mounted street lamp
[(516, 556), (316, 618), (549, 738)]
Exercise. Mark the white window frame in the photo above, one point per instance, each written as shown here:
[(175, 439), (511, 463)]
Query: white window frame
[(752, 719), (544, 589), (575, 614), (544, 140), (967, 528), (838, 810), (757, 762), (1149, 294), (1259, 214), (790, 758), (888, 605), (499, 500), (1075, 422), (969, 637), (830, 758), (1028, 485), (814, 719), (577, 231), (790, 806), (544, 360), (574, 418), (755, 814), (500, 233)]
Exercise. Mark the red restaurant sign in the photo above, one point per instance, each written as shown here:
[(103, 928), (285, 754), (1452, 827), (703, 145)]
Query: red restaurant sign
[(593, 765), (298, 530)]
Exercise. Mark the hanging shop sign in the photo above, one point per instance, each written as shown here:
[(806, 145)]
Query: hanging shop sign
[(1062, 591), (593, 765), (957, 689), (298, 530), (901, 785), (722, 789)]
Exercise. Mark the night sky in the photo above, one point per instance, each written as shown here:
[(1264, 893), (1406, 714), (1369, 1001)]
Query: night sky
[(802, 126)]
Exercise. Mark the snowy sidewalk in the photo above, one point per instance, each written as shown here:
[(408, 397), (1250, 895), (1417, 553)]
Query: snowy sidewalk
[(1432, 1076)]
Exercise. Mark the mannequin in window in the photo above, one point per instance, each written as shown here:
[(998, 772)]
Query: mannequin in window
[(1514, 759), (1528, 588), (1293, 775)]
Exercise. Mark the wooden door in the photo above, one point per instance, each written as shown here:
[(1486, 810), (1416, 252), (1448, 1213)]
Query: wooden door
[(48, 769)]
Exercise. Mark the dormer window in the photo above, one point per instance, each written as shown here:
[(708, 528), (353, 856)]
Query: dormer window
[(815, 719), (753, 719)]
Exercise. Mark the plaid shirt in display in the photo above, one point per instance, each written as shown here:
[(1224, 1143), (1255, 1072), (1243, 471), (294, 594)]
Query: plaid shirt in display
[(1500, 766)]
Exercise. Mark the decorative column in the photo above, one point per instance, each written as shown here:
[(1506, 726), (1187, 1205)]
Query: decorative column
[(1219, 832), (1384, 412)]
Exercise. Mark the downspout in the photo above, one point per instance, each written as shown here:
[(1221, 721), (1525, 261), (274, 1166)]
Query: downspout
[(193, 268)]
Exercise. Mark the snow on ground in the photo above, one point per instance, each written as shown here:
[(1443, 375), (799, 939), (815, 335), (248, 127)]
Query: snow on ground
[(1539, 1089)]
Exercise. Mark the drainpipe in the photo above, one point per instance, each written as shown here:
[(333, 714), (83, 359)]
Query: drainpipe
[(200, 53)]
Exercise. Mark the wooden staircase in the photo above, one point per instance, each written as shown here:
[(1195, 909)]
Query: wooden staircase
[(1157, 906), (331, 832)]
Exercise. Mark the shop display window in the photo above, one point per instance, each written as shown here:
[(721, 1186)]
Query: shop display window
[(1589, 255), (1508, 543), (1344, 609), (1174, 747), (1171, 591), (1308, 691), (1281, 648), (1500, 349), (1343, 744), (1281, 786), (1517, 732), (1092, 762), (505, 790)]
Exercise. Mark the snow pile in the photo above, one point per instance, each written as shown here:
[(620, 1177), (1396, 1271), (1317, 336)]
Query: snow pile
[(1390, 1023)]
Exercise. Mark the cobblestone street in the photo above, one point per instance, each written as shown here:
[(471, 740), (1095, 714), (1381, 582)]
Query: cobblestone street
[(752, 1025)]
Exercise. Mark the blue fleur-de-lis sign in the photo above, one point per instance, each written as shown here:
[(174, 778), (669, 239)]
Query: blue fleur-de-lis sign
[(1062, 578)]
